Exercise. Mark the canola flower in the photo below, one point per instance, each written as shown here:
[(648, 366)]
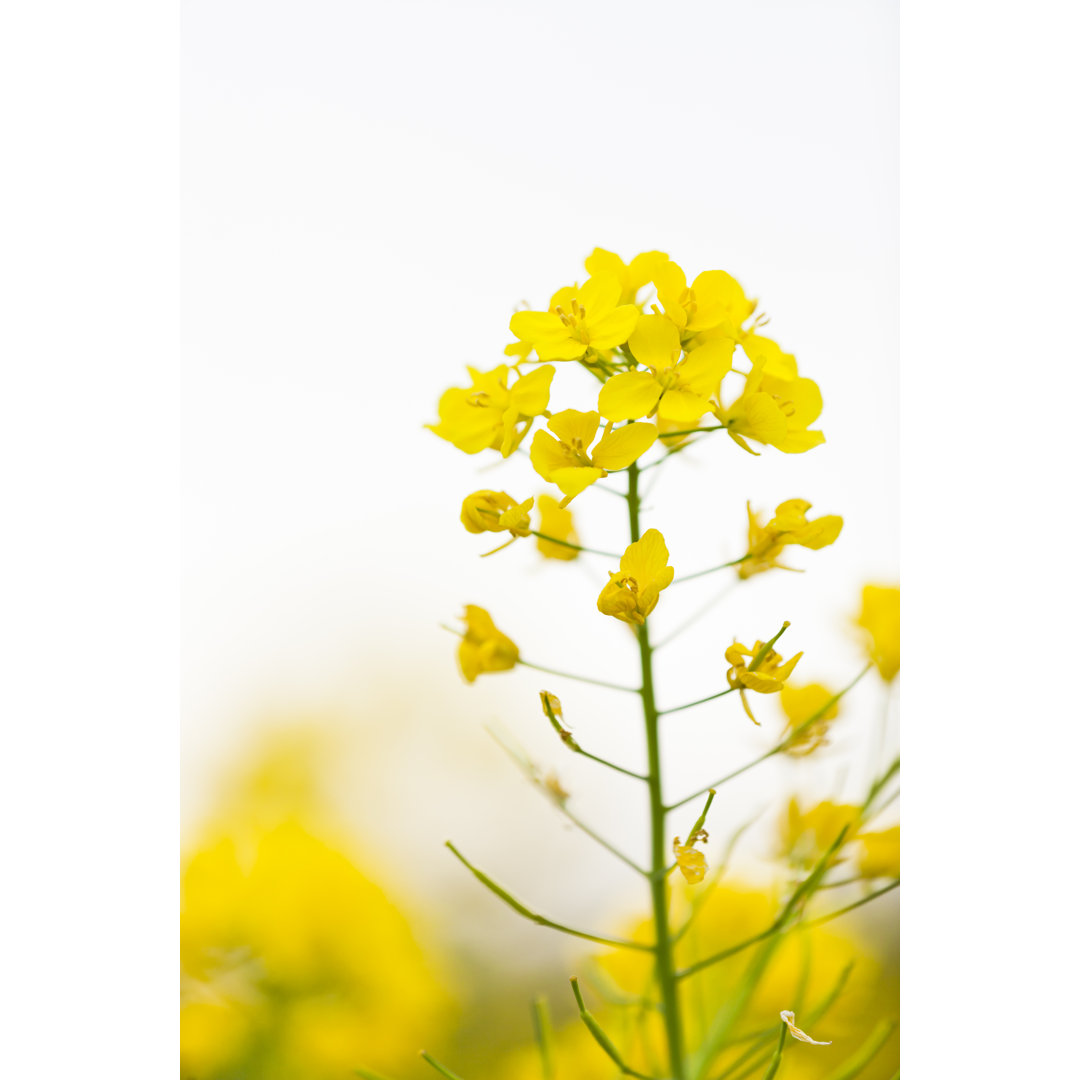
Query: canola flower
[(294, 962), (880, 623), (789, 526), (678, 357)]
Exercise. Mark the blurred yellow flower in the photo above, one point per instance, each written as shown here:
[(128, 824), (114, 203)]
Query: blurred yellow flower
[(493, 413), (800, 703), (589, 318), (880, 619), (766, 677), (805, 836), (558, 523), (483, 647), (632, 594), (293, 962), (788, 526), (676, 390), (879, 853), (812, 969), (566, 461)]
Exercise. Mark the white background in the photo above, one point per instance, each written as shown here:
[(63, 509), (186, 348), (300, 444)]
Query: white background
[(88, 912), (368, 194)]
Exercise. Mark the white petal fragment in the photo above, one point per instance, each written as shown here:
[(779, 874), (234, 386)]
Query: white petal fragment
[(789, 1018)]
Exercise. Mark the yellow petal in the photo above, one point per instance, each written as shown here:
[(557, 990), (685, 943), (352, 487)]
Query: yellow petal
[(655, 342), (536, 325), (575, 427), (629, 396), (622, 446), (567, 347), (682, 407), (530, 394), (547, 454), (573, 481), (670, 284), (599, 295), (646, 560), (703, 369), (613, 328)]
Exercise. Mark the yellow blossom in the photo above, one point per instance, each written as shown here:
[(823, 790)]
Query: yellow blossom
[(676, 390), (880, 620), (589, 318), (493, 412), (800, 703), (484, 647), (879, 854), (807, 835), (566, 461), (776, 406), (767, 676), (633, 277), (631, 594), (715, 301), (495, 511), (690, 861), (788, 526), (558, 523)]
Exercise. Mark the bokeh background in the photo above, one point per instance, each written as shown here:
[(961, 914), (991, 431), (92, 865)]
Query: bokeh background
[(369, 192)]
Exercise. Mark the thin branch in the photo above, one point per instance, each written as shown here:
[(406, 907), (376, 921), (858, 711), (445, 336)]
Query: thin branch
[(576, 547), (439, 1067), (777, 927), (700, 701), (572, 745), (781, 746), (579, 678), (775, 1063), (698, 614), (529, 770), (540, 920), (601, 1036), (711, 570)]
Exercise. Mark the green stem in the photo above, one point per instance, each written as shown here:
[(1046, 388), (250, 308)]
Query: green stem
[(664, 947)]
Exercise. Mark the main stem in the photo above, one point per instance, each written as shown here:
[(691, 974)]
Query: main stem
[(665, 958)]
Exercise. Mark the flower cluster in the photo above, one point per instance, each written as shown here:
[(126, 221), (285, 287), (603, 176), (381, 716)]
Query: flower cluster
[(674, 360)]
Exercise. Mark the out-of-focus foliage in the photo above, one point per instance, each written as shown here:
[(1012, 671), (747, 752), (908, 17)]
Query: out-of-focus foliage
[(295, 964), (839, 988)]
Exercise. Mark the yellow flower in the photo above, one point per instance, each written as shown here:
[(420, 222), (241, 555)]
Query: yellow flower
[(880, 853), (483, 647), (495, 511), (589, 318), (294, 962), (788, 526), (805, 836), (566, 462), (776, 406), (799, 704), (558, 523), (689, 860), (631, 595), (767, 677), (675, 390), (715, 301), (491, 412), (631, 278), (880, 619)]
